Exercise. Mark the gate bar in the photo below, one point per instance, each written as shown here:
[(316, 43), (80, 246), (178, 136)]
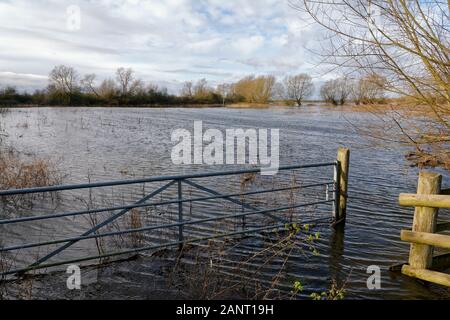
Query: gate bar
[(151, 179), (132, 206), (100, 225)]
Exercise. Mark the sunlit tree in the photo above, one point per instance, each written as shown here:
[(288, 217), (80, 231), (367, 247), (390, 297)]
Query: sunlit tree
[(298, 87)]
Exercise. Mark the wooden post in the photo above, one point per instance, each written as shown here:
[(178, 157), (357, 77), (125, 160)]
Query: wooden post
[(421, 255), (343, 159)]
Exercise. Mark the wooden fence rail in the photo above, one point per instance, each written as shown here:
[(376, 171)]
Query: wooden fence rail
[(424, 235), (423, 200)]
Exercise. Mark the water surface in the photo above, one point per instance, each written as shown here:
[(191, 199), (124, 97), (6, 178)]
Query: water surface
[(96, 144)]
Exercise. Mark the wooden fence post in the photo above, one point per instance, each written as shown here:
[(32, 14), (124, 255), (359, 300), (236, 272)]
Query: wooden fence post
[(421, 256), (343, 159)]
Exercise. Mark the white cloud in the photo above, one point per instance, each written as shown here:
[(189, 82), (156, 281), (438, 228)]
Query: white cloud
[(248, 45), (22, 80), (165, 41)]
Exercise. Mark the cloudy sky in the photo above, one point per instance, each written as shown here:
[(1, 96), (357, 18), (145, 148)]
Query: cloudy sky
[(164, 41)]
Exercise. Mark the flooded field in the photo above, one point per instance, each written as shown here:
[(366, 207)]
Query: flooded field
[(98, 144)]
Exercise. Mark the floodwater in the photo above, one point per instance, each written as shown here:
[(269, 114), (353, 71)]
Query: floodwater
[(98, 144)]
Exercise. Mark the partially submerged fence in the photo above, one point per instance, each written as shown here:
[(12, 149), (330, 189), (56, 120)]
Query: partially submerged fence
[(424, 235), (337, 187)]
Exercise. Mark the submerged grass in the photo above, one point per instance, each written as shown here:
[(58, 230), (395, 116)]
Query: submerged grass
[(16, 173), (19, 172)]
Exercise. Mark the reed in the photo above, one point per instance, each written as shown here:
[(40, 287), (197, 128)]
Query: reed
[(19, 172), (135, 222)]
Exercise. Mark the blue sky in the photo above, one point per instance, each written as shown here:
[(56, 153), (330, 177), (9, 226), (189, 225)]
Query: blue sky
[(165, 42)]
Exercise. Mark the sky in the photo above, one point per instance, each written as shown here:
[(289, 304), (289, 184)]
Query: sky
[(166, 42)]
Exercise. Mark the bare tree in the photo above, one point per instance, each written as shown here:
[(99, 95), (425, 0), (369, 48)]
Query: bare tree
[(64, 80), (224, 90), (187, 90), (298, 87), (201, 89), (88, 84), (368, 90), (128, 84), (125, 78), (328, 93), (137, 87), (336, 91)]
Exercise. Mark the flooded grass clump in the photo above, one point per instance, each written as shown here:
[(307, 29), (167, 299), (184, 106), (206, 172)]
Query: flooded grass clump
[(18, 172)]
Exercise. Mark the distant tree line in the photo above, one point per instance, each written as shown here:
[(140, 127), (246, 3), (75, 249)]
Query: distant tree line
[(68, 88)]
